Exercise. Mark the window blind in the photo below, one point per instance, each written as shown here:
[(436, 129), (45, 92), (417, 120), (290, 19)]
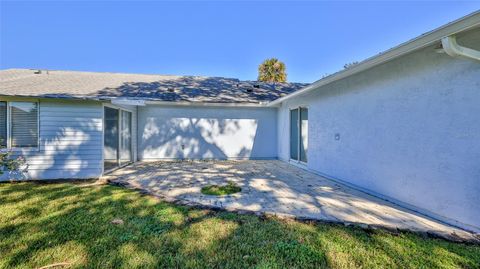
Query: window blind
[(24, 124), (3, 124)]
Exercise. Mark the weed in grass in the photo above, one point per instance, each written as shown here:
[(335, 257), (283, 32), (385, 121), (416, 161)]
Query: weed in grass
[(230, 188)]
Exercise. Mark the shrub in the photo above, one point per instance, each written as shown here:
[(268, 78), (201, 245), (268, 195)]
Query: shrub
[(9, 163)]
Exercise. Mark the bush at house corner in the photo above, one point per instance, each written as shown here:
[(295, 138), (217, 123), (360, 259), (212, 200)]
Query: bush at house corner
[(9, 163)]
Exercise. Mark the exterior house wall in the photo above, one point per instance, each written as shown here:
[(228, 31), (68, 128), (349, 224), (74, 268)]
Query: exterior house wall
[(70, 142), (186, 132), (408, 130)]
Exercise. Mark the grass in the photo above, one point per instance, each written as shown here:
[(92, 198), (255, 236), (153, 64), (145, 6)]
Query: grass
[(221, 190), (42, 224)]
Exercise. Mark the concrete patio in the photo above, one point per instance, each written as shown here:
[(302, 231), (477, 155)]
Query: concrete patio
[(275, 187)]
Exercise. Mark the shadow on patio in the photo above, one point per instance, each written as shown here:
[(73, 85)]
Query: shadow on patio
[(277, 188)]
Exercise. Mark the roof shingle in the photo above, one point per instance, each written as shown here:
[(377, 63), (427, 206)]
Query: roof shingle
[(90, 85)]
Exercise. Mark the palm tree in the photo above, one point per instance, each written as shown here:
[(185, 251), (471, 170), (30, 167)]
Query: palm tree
[(272, 70)]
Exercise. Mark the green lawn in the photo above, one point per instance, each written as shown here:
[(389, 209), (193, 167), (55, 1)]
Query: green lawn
[(42, 224)]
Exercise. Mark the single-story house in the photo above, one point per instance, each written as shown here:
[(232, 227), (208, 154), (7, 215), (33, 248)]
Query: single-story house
[(403, 125)]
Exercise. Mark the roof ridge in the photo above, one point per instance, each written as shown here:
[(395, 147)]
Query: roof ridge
[(144, 74), (91, 72)]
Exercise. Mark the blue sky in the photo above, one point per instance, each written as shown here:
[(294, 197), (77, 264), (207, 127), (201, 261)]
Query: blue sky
[(225, 39)]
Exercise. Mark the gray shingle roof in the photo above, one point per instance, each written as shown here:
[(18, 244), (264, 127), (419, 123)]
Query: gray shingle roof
[(90, 85)]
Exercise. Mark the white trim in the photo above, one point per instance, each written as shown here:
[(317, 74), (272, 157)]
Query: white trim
[(429, 38), (202, 104), (117, 107), (127, 102)]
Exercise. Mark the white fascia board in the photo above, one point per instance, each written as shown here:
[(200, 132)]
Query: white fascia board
[(204, 104), (129, 102), (429, 38)]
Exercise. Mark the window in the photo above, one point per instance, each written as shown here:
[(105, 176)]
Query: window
[(19, 124), (3, 124), (299, 134)]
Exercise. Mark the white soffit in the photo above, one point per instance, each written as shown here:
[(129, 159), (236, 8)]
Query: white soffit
[(128, 102)]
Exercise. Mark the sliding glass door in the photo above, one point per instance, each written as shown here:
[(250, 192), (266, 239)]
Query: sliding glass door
[(125, 137), (110, 140), (117, 138), (299, 134)]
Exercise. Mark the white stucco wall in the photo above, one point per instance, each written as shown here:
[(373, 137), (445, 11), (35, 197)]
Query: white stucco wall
[(70, 144), (409, 130), (179, 132)]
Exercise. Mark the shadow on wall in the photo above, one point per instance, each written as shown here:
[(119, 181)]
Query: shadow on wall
[(200, 138), (70, 145), (74, 151)]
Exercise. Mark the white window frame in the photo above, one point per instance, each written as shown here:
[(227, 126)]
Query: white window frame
[(9, 123)]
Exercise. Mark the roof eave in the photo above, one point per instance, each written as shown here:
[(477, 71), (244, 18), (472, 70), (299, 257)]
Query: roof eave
[(63, 97), (142, 101), (211, 104), (463, 24)]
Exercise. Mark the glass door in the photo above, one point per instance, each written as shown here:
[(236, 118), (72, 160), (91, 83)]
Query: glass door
[(126, 138), (299, 134), (111, 138), (294, 131), (117, 138)]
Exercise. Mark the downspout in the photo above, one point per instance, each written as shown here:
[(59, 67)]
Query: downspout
[(451, 47)]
